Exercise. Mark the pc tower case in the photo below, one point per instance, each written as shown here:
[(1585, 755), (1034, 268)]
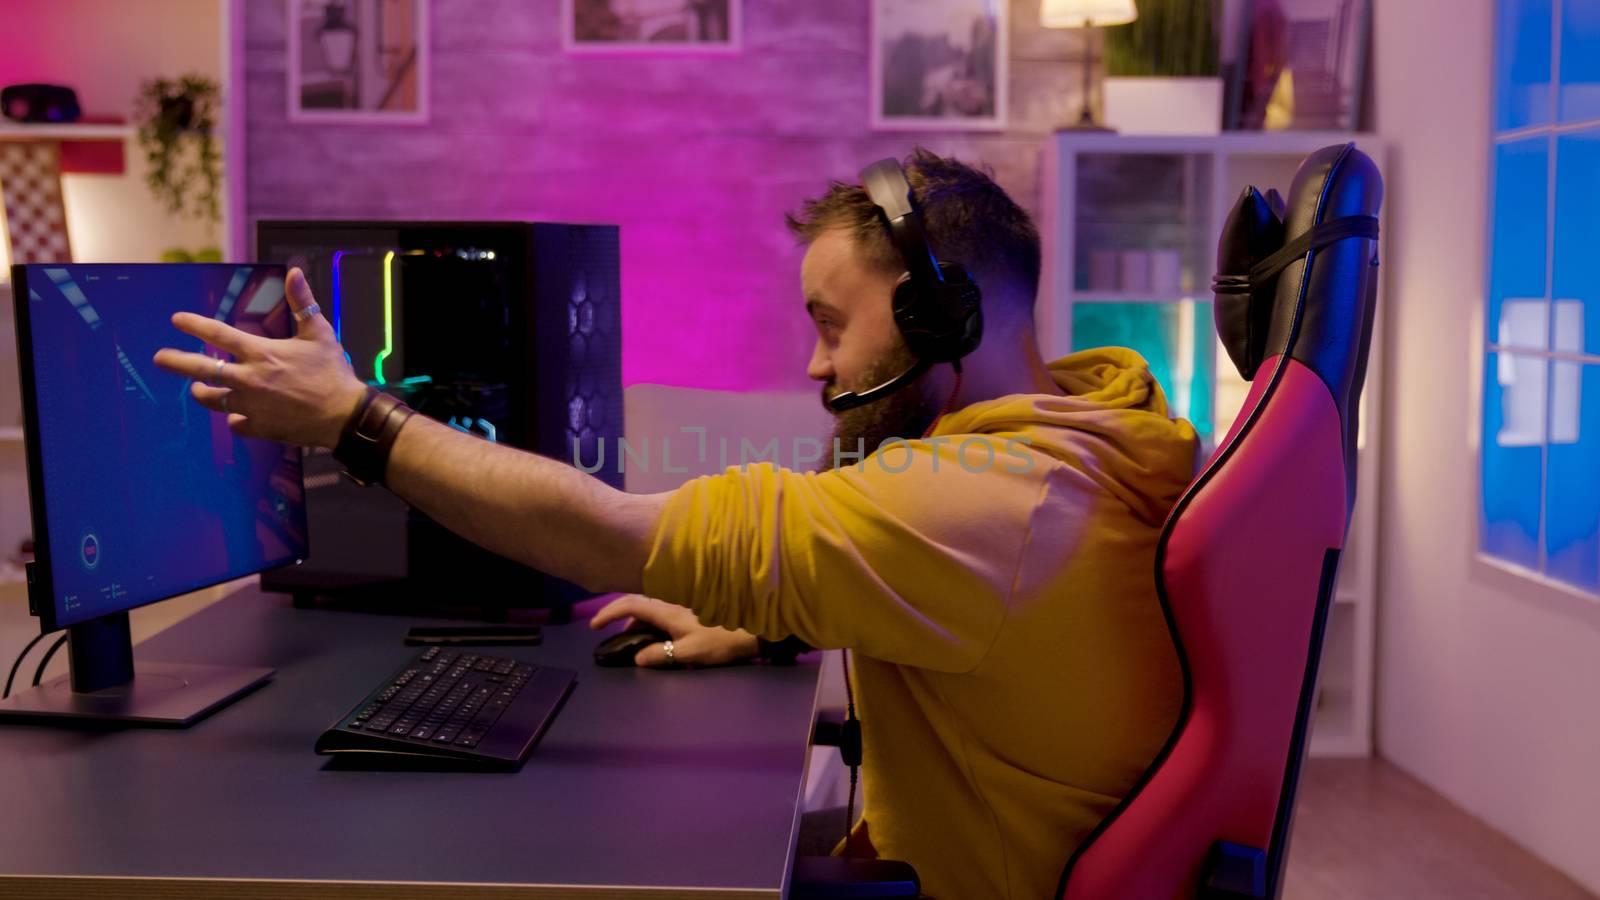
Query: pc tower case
[(510, 331)]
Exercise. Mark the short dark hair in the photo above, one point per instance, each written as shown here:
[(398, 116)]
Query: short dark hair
[(969, 219)]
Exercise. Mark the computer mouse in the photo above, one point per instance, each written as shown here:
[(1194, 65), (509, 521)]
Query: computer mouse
[(620, 648)]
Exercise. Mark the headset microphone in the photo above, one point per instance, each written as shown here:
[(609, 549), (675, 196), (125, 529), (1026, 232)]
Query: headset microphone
[(845, 400)]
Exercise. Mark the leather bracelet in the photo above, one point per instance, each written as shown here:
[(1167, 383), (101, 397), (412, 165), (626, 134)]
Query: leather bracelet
[(369, 436), (780, 653)]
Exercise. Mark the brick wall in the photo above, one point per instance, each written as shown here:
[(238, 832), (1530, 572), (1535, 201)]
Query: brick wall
[(696, 157)]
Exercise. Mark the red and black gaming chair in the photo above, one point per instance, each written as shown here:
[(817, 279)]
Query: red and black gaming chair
[(1246, 564)]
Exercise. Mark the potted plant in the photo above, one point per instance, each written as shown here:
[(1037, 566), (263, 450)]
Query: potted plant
[(1161, 70), (177, 123)]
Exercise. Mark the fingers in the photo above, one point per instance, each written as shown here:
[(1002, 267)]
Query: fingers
[(298, 290), (212, 398), (217, 334), (198, 366), (620, 608), (654, 656), (244, 427)]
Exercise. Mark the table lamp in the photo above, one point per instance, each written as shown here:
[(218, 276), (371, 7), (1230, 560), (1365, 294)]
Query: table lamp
[(1086, 14)]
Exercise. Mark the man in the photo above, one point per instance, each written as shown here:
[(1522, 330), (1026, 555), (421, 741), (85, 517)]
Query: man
[(1013, 671)]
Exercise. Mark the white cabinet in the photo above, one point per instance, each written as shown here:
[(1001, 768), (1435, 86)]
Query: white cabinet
[(1130, 227)]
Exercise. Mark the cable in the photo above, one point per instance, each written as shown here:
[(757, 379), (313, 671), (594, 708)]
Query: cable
[(954, 391), (39, 672), (18, 664), (849, 747)]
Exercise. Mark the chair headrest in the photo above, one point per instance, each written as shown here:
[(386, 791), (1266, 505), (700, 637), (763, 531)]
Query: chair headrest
[(1264, 292), (1252, 232)]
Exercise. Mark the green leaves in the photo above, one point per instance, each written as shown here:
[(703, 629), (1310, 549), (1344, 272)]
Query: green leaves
[(177, 118), (1170, 37)]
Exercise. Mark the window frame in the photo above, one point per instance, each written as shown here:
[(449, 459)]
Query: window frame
[(1486, 345)]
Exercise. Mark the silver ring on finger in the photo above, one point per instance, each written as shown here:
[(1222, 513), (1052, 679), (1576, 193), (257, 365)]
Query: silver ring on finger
[(225, 403), (216, 373), (671, 652), (309, 313)]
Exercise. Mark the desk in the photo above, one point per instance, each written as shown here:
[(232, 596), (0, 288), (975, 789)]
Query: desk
[(647, 784)]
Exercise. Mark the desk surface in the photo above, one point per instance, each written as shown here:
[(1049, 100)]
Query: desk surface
[(647, 783)]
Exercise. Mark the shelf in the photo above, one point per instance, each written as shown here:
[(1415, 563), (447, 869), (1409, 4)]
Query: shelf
[(12, 131), (1077, 296), (1228, 142)]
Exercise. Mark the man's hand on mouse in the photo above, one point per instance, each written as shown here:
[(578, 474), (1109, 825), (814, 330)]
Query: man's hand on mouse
[(298, 390), (693, 644)]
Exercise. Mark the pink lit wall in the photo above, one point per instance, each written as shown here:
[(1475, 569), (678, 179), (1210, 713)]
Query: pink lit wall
[(695, 157)]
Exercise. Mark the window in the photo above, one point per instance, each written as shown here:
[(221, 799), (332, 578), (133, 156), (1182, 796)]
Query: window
[(1540, 462)]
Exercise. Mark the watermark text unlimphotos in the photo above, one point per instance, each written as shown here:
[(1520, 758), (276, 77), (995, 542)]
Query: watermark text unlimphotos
[(973, 453)]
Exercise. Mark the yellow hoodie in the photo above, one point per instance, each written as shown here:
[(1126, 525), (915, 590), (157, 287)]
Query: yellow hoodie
[(1013, 671)]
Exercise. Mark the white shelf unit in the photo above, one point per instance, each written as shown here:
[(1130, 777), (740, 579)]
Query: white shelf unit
[(15, 514), (1110, 195), (69, 131)]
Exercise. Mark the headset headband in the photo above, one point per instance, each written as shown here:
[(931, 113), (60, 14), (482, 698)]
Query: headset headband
[(886, 185)]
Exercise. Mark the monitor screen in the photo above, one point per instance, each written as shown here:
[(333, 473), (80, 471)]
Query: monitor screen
[(140, 493)]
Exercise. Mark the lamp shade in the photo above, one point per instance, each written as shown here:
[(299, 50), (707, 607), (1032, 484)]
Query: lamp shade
[(1086, 13)]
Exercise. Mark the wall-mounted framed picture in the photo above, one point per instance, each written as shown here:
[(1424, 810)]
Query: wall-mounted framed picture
[(1305, 62), (652, 26), (358, 60), (938, 64)]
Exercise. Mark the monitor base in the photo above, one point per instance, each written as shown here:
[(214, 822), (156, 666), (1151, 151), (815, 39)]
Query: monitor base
[(172, 695)]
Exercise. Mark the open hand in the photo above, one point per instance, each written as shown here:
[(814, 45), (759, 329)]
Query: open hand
[(298, 390), (693, 644)]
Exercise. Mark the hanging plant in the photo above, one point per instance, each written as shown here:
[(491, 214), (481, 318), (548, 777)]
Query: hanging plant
[(177, 121)]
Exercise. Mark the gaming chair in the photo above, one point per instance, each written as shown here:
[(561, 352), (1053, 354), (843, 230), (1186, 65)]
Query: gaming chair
[(1248, 556)]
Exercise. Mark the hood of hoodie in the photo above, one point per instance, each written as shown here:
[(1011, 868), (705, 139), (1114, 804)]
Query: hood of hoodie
[(1112, 424)]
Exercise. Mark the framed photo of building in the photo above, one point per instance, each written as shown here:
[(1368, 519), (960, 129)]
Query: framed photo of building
[(938, 64), (358, 60), (652, 26)]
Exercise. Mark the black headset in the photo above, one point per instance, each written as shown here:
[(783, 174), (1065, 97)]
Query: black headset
[(937, 305)]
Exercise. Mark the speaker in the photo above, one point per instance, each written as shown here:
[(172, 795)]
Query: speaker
[(39, 103)]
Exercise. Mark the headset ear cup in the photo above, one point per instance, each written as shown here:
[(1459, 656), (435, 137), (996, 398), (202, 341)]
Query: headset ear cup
[(942, 324)]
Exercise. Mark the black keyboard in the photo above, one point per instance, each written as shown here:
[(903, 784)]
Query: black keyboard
[(450, 705)]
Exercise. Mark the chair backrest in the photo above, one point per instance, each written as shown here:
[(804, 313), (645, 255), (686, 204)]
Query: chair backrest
[(1249, 553)]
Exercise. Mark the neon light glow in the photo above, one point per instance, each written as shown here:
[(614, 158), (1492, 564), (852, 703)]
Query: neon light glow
[(338, 296), (388, 318)]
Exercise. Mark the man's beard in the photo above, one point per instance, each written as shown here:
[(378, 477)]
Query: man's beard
[(906, 413)]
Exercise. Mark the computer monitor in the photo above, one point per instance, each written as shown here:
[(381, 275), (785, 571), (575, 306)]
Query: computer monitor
[(510, 331), (138, 492)]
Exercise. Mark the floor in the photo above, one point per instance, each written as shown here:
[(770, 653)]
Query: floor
[(1365, 830)]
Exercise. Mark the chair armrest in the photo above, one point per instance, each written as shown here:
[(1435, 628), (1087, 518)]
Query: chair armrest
[(846, 878)]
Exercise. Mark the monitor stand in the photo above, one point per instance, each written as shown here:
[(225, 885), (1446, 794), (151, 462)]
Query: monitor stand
[(106, 685)]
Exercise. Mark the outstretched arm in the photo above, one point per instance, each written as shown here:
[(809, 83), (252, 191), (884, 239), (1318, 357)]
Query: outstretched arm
[(532, 509), (301, 390)]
